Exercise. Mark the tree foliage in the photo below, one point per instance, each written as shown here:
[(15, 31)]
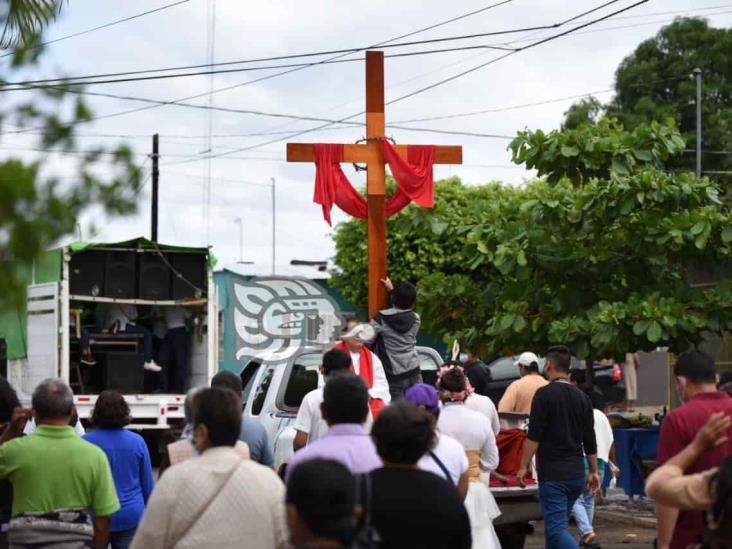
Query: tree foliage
[(38, 208), (655, 82), (599, 266)]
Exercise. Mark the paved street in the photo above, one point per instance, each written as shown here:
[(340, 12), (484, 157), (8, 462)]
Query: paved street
[(609, 535)]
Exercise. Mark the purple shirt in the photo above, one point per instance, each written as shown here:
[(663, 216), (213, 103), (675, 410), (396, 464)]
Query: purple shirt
[(346, 443)]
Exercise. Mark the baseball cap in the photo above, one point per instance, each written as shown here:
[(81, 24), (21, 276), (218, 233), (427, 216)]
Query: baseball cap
[(425, 396), (526, 359), (363, 331)]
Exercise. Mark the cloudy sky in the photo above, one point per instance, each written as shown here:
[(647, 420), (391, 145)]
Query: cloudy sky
[(574, 65)]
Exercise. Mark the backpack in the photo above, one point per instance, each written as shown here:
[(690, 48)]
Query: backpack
[(366, 535)]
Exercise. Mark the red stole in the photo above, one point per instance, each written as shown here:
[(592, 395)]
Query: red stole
[(366, 371)]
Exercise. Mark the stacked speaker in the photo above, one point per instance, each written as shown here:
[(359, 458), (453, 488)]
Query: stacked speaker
[(128, 274)]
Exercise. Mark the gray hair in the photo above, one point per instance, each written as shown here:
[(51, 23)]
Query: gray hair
[(53, 399)]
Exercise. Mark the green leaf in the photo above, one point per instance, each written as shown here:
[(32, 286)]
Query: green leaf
[(727, 235), (619, 166), (569, 151), (698, 228), (654, 332), (519, 324), (521, 259), (506, 321), (640, 327), (643, 155), (438, 227)]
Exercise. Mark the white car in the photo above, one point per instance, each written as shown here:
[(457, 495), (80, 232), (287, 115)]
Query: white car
[(274, 392)]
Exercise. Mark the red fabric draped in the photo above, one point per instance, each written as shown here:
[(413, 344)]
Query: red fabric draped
[(332, 185), (413, 176)]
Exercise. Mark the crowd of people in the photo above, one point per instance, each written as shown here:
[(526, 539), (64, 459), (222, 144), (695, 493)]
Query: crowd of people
[(381, 459)]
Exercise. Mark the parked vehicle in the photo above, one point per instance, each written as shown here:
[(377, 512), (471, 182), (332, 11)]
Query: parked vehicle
[(274, 391), (608, 378)]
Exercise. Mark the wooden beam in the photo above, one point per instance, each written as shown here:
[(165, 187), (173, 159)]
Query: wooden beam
[(303, 152)]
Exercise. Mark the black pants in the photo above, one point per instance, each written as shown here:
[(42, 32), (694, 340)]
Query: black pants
[(175, 358)]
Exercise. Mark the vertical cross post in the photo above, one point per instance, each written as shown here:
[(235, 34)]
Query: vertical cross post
[(376, 182)]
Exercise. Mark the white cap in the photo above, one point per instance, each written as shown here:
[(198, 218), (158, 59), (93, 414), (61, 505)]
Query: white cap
[(526, 359), (364, 332)]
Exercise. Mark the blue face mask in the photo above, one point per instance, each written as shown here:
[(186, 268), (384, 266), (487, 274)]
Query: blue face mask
[(188, 435)]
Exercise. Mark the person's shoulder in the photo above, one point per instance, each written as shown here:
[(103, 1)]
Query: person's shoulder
[(450, 445), (252, 425)]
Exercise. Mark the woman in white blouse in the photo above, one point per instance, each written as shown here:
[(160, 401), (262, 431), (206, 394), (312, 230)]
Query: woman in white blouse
[(475, 434)]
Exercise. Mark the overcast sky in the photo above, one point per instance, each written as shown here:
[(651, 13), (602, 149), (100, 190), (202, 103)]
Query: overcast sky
[(577, 64)]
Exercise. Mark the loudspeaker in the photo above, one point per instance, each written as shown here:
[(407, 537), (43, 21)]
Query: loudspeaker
[(191, 268), (154, 277), (124, 372), (86, 273), (120, 275)]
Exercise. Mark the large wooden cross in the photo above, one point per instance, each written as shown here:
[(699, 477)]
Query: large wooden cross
[(370, 154)]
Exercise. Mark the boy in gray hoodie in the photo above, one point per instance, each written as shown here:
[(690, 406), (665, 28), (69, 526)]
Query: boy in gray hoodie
[(395, 341)]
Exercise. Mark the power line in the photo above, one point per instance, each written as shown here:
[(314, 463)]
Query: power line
[(106, 25), (451, 78), (289, 71)]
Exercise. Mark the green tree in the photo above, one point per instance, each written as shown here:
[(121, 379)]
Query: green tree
[(587, 110), (655, 82), (38, 208), (599, 266)]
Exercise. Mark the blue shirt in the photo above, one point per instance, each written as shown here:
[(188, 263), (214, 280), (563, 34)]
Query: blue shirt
[(255, 435), (133, 477)]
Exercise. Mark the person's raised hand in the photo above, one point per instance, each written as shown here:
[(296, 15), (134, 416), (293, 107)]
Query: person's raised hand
[(386, 281), (614, 469), (593, 482), (714, 432)]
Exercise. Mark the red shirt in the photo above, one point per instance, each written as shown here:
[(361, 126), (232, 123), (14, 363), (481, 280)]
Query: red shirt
[(678, 430)]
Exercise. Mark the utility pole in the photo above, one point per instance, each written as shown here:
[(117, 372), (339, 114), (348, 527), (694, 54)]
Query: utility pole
[(155, 181), (698, 75), (274, 226), (240, 222)]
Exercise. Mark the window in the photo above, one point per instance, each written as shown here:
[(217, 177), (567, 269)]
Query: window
[(248, 375), (503, 368), (429, 366), (261, 394), (302, 378)]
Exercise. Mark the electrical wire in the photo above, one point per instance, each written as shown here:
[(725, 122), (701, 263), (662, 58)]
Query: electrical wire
[(451, 78), (289, 71), (106, 25)]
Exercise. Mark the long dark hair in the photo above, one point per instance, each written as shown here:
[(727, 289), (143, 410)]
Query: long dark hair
[(8, 400)]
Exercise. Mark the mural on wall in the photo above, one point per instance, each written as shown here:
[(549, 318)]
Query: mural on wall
[(276, 317)]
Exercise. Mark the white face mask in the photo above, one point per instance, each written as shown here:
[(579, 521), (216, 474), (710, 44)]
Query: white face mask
[(463, 357)]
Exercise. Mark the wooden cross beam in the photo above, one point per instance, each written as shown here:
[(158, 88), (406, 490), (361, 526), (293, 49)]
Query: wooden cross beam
[(370, 154)]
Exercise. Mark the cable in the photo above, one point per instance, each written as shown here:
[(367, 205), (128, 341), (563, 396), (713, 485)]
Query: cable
[(451, 78), (106, 25), (268, 77)]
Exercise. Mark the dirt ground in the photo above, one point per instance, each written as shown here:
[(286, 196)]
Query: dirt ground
[(609, 536)]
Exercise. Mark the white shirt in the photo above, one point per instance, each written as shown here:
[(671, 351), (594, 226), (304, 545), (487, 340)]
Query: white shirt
[(380, 388), (175, 317), (485, 406), (451, 454), (471, 430), (30, 426), (310, 420), (604, 436), (123, 314)]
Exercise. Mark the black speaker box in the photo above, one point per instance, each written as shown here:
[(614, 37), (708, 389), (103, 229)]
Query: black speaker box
[(86, 273), (124, 372), (191, 268), (154, 277), (120, 275)]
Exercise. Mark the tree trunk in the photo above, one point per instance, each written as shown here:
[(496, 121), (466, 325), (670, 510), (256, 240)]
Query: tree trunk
[(590, 372)]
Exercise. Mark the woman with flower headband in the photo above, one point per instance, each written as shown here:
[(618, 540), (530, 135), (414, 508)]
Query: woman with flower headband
[(475, 434)]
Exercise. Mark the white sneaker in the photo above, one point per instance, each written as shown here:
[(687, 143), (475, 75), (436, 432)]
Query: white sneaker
[(152, 367)]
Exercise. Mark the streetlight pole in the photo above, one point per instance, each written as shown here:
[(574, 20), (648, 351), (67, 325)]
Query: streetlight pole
[(698, 75), (274, 226), (155, 185), (240, 222)]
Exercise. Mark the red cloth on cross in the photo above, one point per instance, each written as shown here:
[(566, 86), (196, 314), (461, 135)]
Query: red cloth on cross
[(510, 444), (413, 176)]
